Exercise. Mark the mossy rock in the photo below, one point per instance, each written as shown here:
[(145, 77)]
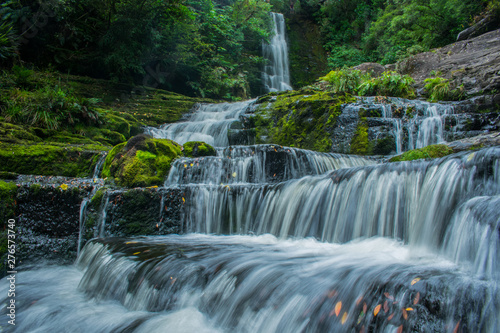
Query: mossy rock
[(50, 159), (303, 118), (16, 134), (142, 161), (360, 144), (433, 151), (198, 149)]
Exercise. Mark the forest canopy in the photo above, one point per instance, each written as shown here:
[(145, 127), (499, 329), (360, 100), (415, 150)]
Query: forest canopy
[(212, 48)]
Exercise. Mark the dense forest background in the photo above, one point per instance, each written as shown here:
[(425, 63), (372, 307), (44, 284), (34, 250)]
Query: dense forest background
[(212, 48)]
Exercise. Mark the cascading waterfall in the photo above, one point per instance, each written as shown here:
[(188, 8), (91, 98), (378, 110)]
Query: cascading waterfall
[(208, 123), (279, 239), (276, 75), (257, 164), (424, 128)]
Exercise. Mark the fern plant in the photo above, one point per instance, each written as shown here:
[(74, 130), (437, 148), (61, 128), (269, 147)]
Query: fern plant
[(344, 80), (439, 89), (388, 84)]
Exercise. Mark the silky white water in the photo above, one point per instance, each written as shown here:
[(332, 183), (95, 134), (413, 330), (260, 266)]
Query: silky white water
[(276, 75)]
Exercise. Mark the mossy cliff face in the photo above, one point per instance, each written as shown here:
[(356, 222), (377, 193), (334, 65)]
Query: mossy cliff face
[(303, 118), (145, 161)]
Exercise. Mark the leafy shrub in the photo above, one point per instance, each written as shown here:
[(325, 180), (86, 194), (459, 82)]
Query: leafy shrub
[(438, 89), (8, 44), (344, 81), (389, 84), (22, 76), (48, 107)]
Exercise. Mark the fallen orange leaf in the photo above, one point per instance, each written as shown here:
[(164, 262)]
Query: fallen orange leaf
[(344, 318), (405, 314), (338, 307), (377, 310), (457, 327), (415, 280), (400, 329), (390, 317)]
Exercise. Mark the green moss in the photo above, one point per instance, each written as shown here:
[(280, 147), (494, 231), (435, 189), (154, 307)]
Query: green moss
[(106, 169), (360, 144), (49, 159), (303, 118), (142, 161), (433, 151), (96, 200), (197, 149), (8, 192), (16, 133), (384, 146)]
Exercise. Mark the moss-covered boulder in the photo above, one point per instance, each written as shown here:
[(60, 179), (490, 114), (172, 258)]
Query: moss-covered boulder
[(303, 118), (50, 159), (141, 161), (433, 151), (198, 149)]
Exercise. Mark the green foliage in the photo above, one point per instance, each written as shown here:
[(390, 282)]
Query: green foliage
[(354, 82), (22, 76), (438, 89), (345, 80), (388, 84), (433, 151), (48, 107), (346, 56), (191, 46), (387, 31), (8, 37)]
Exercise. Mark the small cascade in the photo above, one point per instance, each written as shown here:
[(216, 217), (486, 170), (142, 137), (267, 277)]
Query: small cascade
[(407, 201), (81, 224), (413, 123), (258, 164), (99, 165), (101, 222), (473, 236), (208, 123), (276, 74)]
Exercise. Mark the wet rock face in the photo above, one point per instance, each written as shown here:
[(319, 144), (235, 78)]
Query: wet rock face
[(48, 222), (142, 212), (394, 125), (475, 63)]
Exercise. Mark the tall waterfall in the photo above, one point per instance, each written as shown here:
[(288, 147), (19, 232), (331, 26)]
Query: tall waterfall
[(276, 75)]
